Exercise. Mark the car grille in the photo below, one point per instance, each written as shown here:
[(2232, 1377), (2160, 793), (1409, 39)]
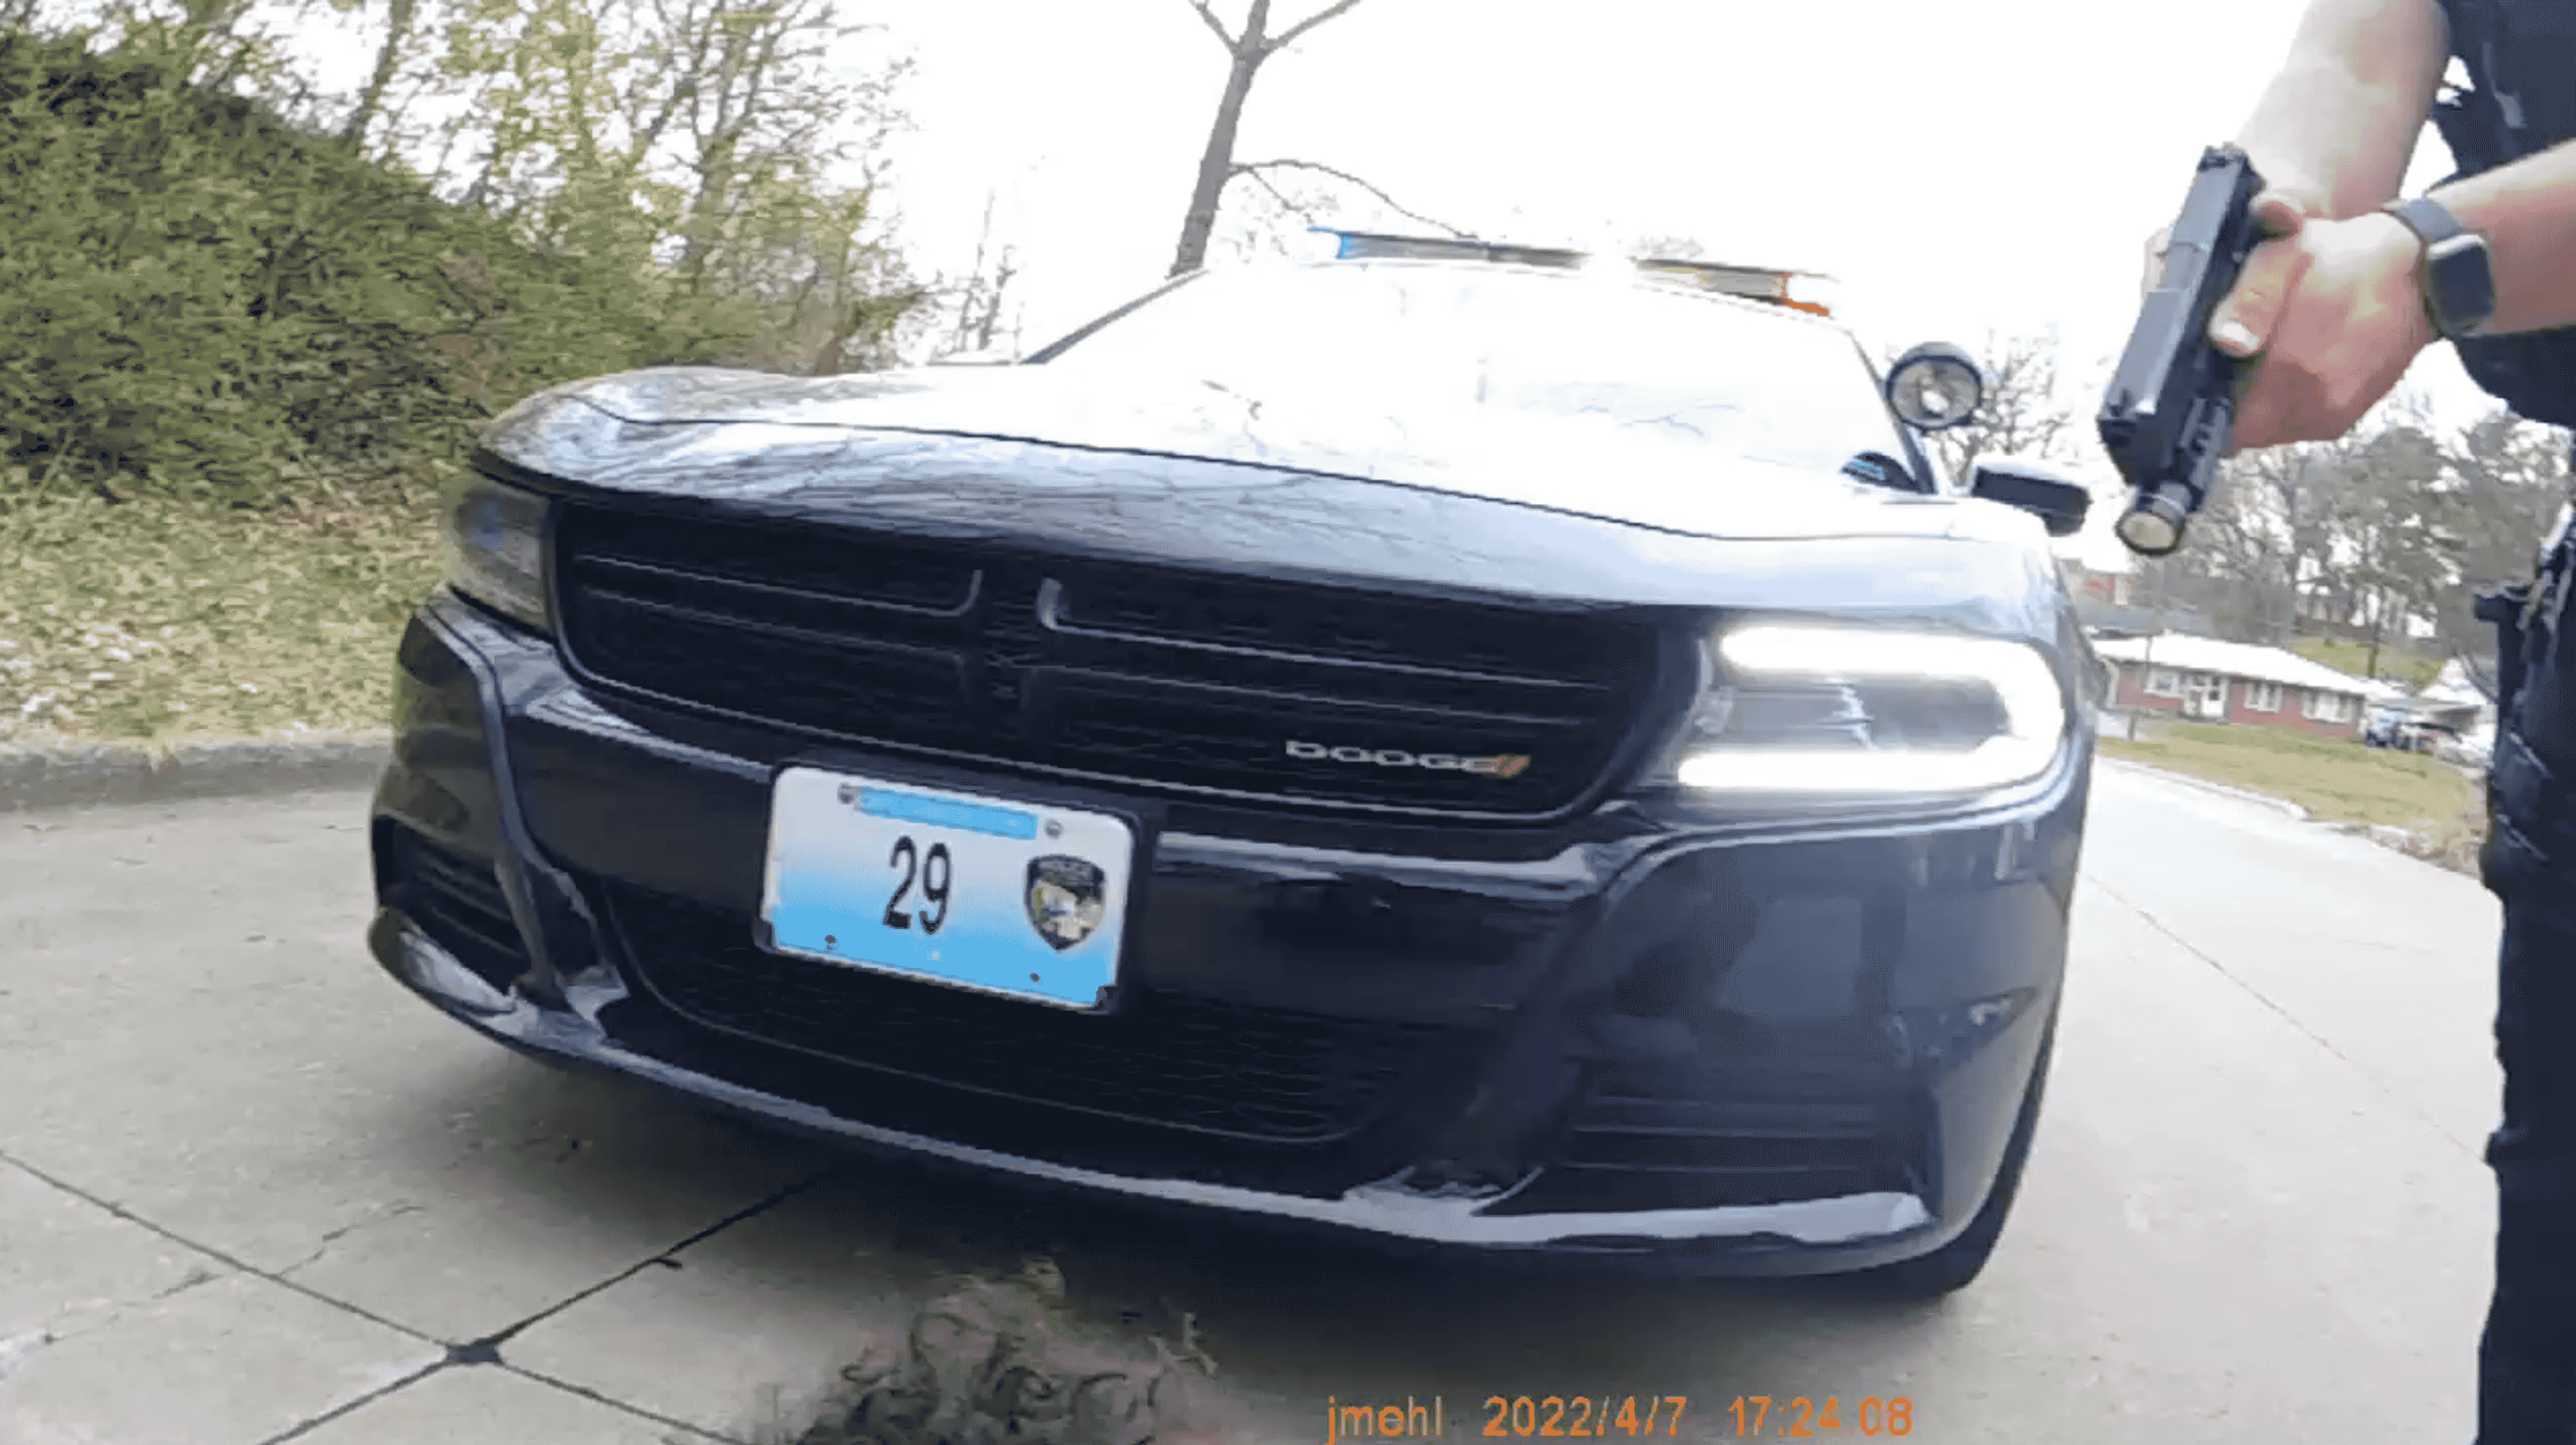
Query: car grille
[(1741, 1143), (456, 900), (1132, 673), (1249, 1073)]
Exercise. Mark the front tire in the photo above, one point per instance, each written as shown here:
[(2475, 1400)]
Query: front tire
[(1954, 1265)]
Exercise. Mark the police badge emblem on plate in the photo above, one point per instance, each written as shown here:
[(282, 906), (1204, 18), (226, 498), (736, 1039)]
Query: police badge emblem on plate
[(1067, 898)]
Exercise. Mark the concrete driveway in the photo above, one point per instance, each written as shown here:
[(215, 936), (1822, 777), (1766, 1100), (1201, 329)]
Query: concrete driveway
[(251, 1192)]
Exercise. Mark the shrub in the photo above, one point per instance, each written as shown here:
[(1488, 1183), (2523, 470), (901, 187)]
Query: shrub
[(210, 304)]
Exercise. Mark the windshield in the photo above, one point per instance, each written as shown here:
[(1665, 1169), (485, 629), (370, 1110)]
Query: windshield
[(1691, 375)]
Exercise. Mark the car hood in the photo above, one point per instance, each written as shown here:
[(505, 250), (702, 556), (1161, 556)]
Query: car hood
[(1583, 466)]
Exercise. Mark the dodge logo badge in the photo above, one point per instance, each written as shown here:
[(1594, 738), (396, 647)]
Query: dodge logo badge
[(1498, 765), (1066, 899)]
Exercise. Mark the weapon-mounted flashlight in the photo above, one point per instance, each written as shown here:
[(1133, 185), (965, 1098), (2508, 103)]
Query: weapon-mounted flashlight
[(2153, 525)]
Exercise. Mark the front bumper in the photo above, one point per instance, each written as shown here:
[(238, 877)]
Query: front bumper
[(1771, 1051)]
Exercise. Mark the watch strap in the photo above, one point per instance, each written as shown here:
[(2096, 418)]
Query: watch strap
[(2453, 271), (2430, 220)]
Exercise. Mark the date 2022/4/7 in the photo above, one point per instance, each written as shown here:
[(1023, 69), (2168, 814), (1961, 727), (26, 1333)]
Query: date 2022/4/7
[(1610, 1417)]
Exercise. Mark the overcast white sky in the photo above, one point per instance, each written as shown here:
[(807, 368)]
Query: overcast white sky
[(1958, 167), (1996, 163)]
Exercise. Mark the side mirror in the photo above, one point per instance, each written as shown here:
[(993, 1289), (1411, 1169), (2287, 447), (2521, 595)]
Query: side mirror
[(2059, 502), (1936, 386)]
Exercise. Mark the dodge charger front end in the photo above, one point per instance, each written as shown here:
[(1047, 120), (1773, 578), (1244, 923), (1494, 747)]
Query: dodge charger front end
[(1522, 793)]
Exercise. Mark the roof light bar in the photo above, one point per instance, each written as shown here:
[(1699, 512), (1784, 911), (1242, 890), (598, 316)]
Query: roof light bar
[(1795, 289), (1370, 246)]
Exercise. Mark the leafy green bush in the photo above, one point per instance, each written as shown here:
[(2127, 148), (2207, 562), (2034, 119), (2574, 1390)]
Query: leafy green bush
[(209, 304)]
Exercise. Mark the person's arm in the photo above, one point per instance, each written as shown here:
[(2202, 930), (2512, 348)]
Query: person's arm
[(2527, 212), (2336, 128), (2326, 310), (2332, 137)]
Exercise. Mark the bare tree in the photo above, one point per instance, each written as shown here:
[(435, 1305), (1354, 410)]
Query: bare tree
[(2022, 413), (1265, 216), (2236, 570), (2373, 537), (749, 85), (2388, 569), (2316, 536), (979, 299), (2308, 491), (1246, 52), (696, 105), (222, 49), (2508, 479), (399, 15)]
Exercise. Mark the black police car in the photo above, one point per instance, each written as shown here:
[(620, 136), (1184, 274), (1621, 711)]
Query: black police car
[(1475, 747)]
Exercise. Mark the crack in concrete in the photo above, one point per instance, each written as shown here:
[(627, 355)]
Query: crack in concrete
[(16, 1350), (487, 1351), (209, 1251), (196, 1275), (2475, 1149), (334, 1236), (659, 1257), (695, 1432), (351, 1407), (74, 1319)]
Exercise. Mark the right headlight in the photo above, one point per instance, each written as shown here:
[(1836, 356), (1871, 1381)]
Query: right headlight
[(1851, 711), (495, 538)]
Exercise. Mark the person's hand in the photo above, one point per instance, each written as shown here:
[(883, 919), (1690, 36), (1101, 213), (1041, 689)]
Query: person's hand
[(2278, 212), (2328, 315)]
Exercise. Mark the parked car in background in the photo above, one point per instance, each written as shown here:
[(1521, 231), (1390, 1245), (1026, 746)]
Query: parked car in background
[(2402, 730), (1459, 745), (2473, 753)]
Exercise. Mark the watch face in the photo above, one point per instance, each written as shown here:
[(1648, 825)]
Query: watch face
[(2459, 284)]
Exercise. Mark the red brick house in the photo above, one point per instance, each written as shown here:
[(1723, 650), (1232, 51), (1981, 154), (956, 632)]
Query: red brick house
[(2206, 679)]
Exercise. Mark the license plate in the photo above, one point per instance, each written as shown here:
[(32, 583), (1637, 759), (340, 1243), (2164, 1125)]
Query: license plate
[(978, 892)]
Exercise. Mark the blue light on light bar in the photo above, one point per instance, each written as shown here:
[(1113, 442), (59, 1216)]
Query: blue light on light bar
[(1371, 245)]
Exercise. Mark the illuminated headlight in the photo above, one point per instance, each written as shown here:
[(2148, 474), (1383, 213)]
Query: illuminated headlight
[(1851, 711), (495, 543)]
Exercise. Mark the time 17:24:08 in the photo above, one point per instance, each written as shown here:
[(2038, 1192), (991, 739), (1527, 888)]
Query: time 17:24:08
[(1748, 1417)]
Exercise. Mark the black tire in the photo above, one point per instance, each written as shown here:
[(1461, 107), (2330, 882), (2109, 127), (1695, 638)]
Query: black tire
[(1951, 1267)]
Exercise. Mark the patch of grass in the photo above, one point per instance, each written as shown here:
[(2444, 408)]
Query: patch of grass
[(2400, 664), (157, 621), (2336, 781)]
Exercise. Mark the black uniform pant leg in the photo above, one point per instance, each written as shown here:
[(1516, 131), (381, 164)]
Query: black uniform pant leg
[(2527, 1355)]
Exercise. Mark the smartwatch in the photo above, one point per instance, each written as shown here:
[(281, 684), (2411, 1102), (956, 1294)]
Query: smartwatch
[(2457, 281)]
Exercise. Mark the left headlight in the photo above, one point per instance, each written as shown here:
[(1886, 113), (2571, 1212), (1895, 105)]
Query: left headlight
[(495, 538), (1845, 711)]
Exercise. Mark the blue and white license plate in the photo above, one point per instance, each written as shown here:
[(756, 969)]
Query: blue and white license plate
[(959, 888)]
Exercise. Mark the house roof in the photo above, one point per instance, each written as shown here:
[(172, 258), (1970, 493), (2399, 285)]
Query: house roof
[(2232, 659), (2443, 698), (2455, 676)]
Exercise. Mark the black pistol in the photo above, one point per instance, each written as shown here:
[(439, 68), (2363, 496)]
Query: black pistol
[(2171, 405)]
